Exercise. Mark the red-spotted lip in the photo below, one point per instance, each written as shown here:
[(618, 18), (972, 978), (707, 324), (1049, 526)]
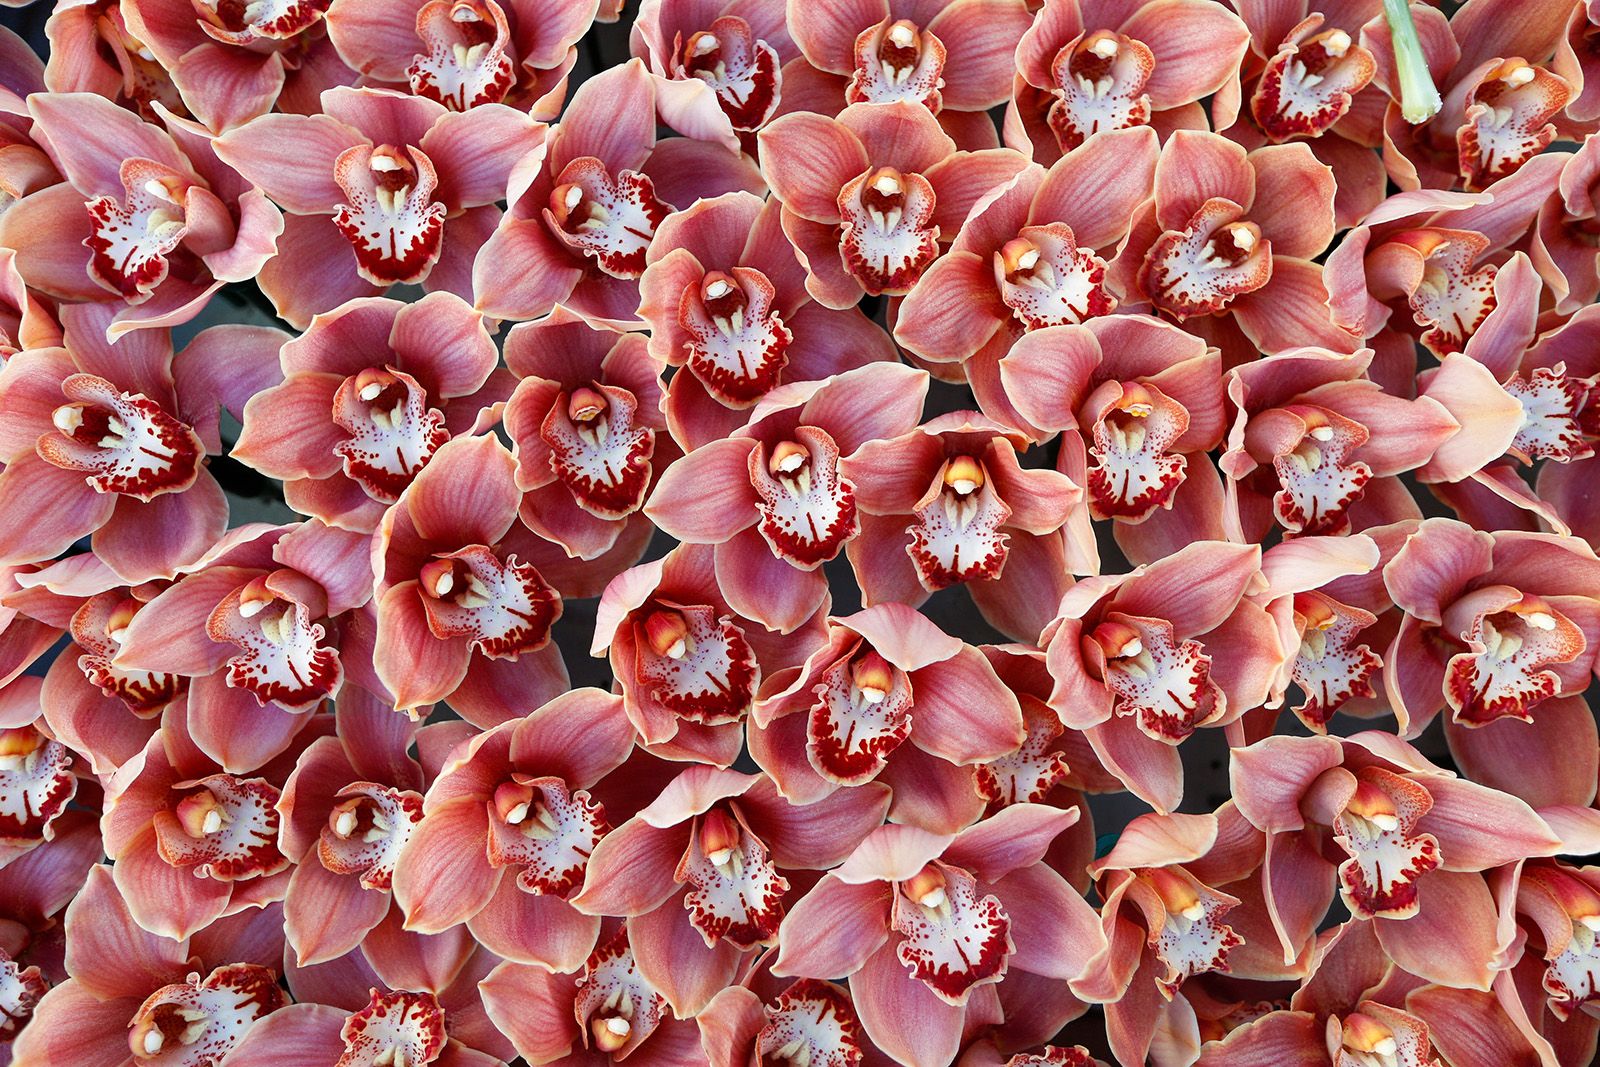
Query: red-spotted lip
[(1503, 673), (1054, 1056), (394, 1028), (244, 845), (1132, 474), (129, 241), (1050, 281), (551, 839), (467, 61), (605, 462), (1193, 940), (196, 1023), (1165, 683), (1099, 82), (1554, 410), (123, 442), (611, 987), (739, 357), (1331, 667), (1387, 856), (20, 989), (894, 61), (1507, 120), (957, 940), (957, 537), (144, 692), (369, 844), (393, 431), (1027, 775), (617, 235), (503, 608), (887, 251), (1200, 269), (739, 899), (851, 732), (1310, 84), (274, 20), (390, 217), (1320, 480), (816, 1018), (35, 788), (715, 678), (1453, 298), (282, 659), (809, 513), (742, 70)]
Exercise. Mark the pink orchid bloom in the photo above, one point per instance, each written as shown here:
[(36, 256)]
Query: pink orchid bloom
[(395, 1027), (93, 51), (1142, 660), (24, 636), (587, 430), (805, 1021), (1370, 1033), (135, 998), (25, 322), (1316, 447), (953, 59), (148, 217), (230, 66), (1437, 255), (606, 1013), (987, 1055), (258, 632), (703, 873), (34, 890), (1495, 624), (1561, 245), (1087, 66), (577, 230), (779, 498), (948, 502), (1032, 254), (689, 665), (868, 196), (1558, 902), (510, 822), (1401, 839), (1226, 246), (1137, 403), (1308, 78), (370, 392), (930, 928), (190, 842), (1171, 914), (380, 189), (346, 814), (465, 53), (110, 440), (1490, 64), (464, 613), (724, 296), (718, 64), (1334, 664), (38, 774), (889, 697)]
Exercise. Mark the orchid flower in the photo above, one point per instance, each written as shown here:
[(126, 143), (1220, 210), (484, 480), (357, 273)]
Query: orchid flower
[(373, 185), (724, 296), (804, 1021), (149, 217), (577, 230), (108, 438), (702, 874), (370, 392), (38, 776), (780, 497), (1085, 67), (394, 1027), (889, 697), (930, 927), (465, 53)]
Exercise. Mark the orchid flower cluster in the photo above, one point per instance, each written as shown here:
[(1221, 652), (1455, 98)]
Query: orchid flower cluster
[(928, 414)]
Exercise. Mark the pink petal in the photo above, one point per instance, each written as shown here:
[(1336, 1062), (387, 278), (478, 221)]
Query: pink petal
[(807, 159), (537, 929), (980, 39), (762, 587), (902, 1016), (326, 914), (832, 930), (672, 955), (1196, 167), (533, 1008), (444, 877), (1013, 838), (611, 117), (963, 712), (299, 178), (1451, 940), (706, 497)]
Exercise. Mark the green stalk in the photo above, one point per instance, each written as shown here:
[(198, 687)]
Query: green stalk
[(1419, 97)]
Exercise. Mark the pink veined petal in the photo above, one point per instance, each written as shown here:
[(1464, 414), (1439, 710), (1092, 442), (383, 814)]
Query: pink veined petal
[(1499, 755), (1197, 47), (962, 712), (535, 928), (826, 32), (326, 914), (534, 1008), (887, 998), (1160, 841), (1461, 809), (832, 930), (611, 117), (104, 929), (671, 955), (1015, 837), (1472, 1028), (892, 853), (631, 870), (980, 40), (1452, 939), (1062, 932), (763, 587), (1196, 167), (300, 178), (706, 496), (444, 876), (414, 665), (808, 159), (1278, 1039)]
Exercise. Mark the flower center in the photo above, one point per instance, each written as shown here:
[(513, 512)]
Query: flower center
[(468, 59), (1099, 85), (505, 607), (739, 68), (610, 220), (897, 60), (390, 217), (1047, 280), (888, 237), (1309, 85), (123, 442), (737, 340)]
